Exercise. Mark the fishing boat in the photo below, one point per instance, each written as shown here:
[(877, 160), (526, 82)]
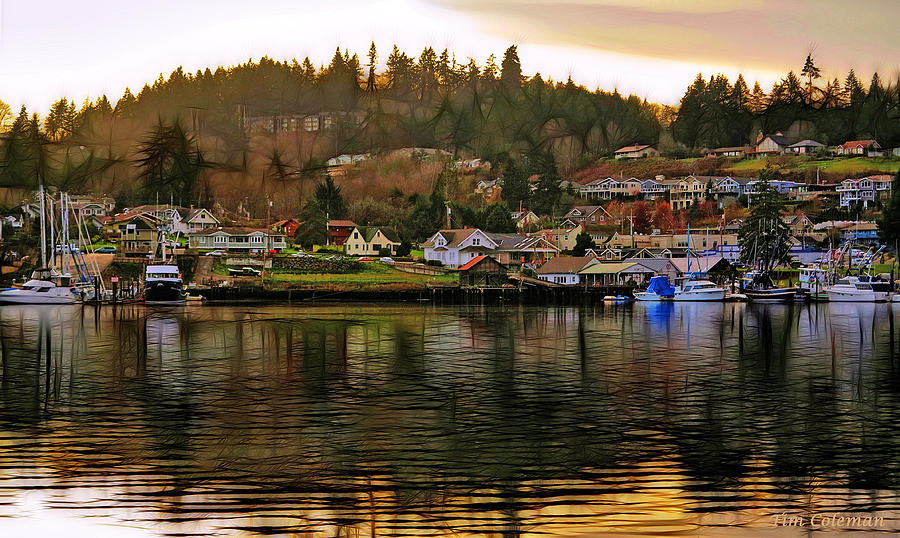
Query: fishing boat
[(699, 290), (163, 285), (659, 289), (813, 280), (759, 288), (861, 288)]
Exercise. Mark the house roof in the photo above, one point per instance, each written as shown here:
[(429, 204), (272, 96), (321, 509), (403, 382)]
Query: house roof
[(453, 236), (586, 210), (704, 263), (607, 268), (730, 148), (368, 233), (857, 143), (477, 260), (196, 211), (565, 265), (807, 144), (781, 140), (629, 149), (340, 223), (515, 242)]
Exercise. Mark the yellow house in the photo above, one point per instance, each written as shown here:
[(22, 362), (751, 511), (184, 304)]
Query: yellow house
[(370, 240)]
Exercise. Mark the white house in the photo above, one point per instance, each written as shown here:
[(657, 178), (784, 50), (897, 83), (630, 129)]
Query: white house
[(865, 190), (200, 219), (651, 189), (453, 248), (564, 269), (599, 188), (236, 239)]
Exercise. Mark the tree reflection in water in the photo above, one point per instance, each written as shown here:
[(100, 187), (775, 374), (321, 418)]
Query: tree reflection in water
[(368, 420)]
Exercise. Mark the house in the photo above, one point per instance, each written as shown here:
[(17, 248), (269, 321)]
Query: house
[(518, 249), (732, 151), (787, 188), (371, 241), (588, 214), (562, 238), (237, 239), (627, 187), (599, 188), (686, 191), (286, 226), (302, 122), (865, 190), (775, 144), (482, 272), (651, 189), (804, 147), (338, 231), (344, 159), (615, 273), (455, 247), (565, 269), (199, 219), (799, 224), (171, 218), (728, 188), (869, 148), (635, 152), (490, 189), (138, 237), (524, 219)]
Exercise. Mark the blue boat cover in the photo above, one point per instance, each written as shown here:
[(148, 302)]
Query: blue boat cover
[(660, 286)]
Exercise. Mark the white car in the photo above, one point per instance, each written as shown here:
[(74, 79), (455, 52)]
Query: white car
[(301, 255), (386, 260), (216, 253)]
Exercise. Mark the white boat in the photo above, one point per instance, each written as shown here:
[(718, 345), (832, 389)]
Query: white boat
[(659, 289), (859, 289), (163, 285), (42, 289), (699, 290)]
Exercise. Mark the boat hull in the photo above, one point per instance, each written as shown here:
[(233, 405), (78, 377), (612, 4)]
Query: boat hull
[(716, 295), (163, 292), (31, 299), (652, 297), (777, 295), (857, 296)]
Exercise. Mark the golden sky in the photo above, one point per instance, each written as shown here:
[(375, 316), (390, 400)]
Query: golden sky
[(653, 48)]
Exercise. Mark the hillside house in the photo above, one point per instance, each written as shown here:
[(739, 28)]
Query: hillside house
[(286, 226), (199, 219), (805, 147), (636, 152), (867, 148), (686, 191), (588, 214), (338, 231), (565, 269)]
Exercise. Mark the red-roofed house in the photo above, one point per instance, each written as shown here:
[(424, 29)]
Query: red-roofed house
[(286, 226), (635, 152), (859, 147), (339, 231), (482, 271)]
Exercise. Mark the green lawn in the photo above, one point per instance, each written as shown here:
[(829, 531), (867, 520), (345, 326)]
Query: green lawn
[(852, 165), (374, 275)]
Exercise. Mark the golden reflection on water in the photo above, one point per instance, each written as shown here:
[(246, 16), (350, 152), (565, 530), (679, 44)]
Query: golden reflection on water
[(369, 420)]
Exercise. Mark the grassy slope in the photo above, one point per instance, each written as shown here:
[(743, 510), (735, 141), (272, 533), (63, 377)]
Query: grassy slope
[(856, 165), (374, 276)]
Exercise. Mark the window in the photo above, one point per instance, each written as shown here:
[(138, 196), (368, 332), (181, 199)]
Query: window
[(476, 241), (256, 239), (311, 123), (220, 239), (356, 235)]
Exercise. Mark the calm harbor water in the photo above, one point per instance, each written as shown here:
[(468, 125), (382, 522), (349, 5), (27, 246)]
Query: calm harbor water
[(412, 420)]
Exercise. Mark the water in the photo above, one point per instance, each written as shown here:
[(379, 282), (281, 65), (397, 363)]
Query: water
[(412, 420)]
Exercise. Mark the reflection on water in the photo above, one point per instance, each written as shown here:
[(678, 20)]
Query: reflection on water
[(447, 421)]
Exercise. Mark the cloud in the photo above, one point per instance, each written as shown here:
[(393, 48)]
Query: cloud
[(760, 34)]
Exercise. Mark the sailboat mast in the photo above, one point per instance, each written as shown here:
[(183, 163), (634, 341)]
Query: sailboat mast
[(43, 232), (52, 232)]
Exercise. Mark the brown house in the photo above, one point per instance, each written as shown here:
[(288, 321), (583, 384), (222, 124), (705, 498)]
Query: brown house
[(339, 231), (482, 272)]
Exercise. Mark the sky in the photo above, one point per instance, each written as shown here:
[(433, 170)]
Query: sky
[(653, 48)]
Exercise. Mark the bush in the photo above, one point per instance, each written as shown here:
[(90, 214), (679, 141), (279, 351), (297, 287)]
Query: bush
[(436, 263)]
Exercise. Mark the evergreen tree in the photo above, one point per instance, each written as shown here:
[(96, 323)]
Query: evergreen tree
[(516, 189), (511, 70), (764, 237), (583, 242)]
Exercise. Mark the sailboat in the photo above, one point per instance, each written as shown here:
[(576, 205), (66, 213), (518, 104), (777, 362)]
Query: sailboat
[(45, 285), (697, 288)]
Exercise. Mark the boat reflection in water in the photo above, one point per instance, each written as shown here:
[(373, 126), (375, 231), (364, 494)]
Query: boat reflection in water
[(651, 418)]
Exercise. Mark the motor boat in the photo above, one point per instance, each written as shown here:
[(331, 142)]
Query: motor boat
[(163, 285), (43, 288), (699, 290), (862, 288), (659, 289)]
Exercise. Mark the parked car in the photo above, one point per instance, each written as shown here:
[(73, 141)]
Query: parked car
[(216, 253), (302, 255), (386, 259), (105, 250), (244, 271), (365, 259), (72, 248)]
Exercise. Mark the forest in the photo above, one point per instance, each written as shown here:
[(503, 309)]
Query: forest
[(184, 137)]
